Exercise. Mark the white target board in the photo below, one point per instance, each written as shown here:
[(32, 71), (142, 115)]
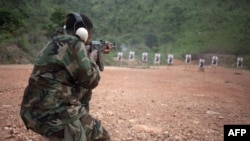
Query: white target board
[(214, 61), (144, 57), (131, 56), (188, 59), (239, 62), (201, 63), (170, 58), (157, 59), (119, 56)]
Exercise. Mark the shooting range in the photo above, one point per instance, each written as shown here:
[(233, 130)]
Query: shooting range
[(146, 60), (174, 70)]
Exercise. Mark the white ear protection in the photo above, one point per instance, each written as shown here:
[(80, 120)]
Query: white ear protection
[(81, 32)]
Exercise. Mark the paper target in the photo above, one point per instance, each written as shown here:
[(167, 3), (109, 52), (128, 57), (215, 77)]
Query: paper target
[(170, 59), (201, 63), (214, 61), (131, 56), (188, 59), (119, 56), (157, 58), (239, 62), (144, 57)]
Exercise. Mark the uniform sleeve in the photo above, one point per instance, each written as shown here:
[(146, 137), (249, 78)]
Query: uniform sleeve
[(84, 70)]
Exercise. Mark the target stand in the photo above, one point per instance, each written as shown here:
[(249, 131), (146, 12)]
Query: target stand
[(131, 59), (214, 63), (144, 60), (119, 59), (157, 59), (202, 65), (239, 66), (188, 59)]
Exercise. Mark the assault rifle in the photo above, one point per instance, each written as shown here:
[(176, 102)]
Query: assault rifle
[(100, 46)]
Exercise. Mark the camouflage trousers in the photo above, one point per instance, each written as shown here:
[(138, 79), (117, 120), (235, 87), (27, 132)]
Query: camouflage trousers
[(86, 128)]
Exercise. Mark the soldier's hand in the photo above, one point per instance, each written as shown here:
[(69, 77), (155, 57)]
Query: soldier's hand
[(94, 55), (107, 48)]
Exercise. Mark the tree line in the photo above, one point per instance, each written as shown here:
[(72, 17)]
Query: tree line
[(176, 26)]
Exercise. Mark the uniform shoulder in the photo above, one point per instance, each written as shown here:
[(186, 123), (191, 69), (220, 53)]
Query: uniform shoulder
[(66, 37)]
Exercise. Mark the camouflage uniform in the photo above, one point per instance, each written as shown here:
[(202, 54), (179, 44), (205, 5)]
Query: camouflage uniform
[(59, 90)]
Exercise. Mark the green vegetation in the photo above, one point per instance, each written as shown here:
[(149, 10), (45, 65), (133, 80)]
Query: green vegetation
[(165, 26)]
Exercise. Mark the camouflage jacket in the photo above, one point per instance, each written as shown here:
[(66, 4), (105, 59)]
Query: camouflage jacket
[(59, 86)]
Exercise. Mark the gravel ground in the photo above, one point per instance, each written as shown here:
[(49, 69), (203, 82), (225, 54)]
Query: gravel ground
[(161, 103)]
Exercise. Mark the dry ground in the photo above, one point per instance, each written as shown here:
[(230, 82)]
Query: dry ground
[(174, 103)]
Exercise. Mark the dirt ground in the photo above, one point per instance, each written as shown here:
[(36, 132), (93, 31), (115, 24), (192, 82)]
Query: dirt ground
[(161, 103)]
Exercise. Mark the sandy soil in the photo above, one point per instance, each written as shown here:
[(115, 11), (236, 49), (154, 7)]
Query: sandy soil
[(173, 103)]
